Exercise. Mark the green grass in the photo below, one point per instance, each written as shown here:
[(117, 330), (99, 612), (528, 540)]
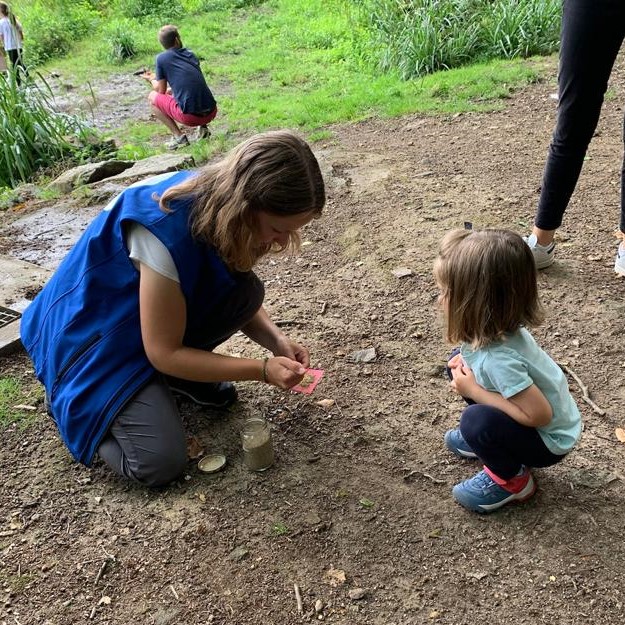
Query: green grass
[(12, 394), (294, 64), (279, 529)]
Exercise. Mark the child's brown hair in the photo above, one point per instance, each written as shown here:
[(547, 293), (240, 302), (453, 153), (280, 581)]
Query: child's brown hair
[(275, 172), (488, 285)]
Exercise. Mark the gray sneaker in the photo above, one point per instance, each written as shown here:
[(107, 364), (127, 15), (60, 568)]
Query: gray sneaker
[(203, 132), (619, 262), (178, 142), (543, 254)]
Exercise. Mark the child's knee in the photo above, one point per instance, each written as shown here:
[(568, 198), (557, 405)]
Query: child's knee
[(471, 422)]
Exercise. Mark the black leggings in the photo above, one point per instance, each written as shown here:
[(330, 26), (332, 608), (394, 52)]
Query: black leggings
[(592, 34), (15, 56), (502, 444)]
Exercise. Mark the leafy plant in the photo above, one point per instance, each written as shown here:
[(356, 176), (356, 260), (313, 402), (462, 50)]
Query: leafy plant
[(33, 134), (54, 26), (417, 37), (120, 41), (167, 10)]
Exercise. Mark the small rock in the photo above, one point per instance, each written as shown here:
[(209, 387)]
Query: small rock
[(325, 403), (356, 594), (318, 606), (238, 554), (363, 355), (402, 272), (312, 518)]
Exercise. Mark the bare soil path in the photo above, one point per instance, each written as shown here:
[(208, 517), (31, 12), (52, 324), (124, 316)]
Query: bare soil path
[(361, 488)]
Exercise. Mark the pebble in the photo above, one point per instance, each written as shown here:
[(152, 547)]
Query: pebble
[(356, 594)]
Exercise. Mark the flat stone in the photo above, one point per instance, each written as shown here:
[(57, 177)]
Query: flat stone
[(88, 173), (159, 164)]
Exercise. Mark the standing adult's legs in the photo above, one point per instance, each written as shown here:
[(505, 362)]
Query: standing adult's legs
[(17, 63), (592, 33)]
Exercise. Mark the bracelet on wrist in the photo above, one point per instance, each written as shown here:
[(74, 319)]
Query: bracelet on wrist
[(265, 360)]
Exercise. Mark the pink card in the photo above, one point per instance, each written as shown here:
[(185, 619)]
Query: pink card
[(310, 381)]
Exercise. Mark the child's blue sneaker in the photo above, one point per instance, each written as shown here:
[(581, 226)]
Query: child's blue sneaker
[(457, 445), (482, 494)]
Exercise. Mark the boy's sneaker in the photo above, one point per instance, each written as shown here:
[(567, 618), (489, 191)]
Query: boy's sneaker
[(178, 142), (543, 254), (619, 263), (207, 394), (203, 132), (457, 445), (483, 494)]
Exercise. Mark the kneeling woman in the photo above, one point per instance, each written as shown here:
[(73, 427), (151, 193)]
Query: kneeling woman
[(158, 280)]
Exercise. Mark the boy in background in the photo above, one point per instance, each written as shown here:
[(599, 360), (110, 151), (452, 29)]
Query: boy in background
[(179, 91)]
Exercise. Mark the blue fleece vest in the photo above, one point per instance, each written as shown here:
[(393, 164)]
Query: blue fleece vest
[(82, 331)]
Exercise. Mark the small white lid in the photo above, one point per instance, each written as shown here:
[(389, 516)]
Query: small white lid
[(212, 463)]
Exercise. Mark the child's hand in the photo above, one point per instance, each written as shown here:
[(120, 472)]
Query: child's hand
[(456, 361), (463, 381), (284, 372)]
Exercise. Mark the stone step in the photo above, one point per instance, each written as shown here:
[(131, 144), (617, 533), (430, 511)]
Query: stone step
[(20, 281)]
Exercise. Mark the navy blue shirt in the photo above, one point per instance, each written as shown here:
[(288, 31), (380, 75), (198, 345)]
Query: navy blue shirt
[(181, 69)]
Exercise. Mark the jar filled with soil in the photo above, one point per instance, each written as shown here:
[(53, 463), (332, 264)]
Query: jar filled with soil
[(257, 444)]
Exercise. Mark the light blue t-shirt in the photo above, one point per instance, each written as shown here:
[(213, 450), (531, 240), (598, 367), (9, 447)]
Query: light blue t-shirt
[(514, 364)]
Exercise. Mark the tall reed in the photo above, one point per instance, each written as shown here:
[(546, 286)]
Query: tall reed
[(33, 134)]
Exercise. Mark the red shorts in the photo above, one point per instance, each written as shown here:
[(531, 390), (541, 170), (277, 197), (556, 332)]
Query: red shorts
[(166, 103)]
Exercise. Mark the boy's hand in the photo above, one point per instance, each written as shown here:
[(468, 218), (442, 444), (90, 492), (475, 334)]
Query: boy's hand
[(463, 381), (148, 75)]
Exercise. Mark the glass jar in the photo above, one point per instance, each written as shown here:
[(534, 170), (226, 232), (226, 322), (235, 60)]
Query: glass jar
[(257, 444)]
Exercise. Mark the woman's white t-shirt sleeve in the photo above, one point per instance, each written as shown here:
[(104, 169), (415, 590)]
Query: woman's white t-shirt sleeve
[(145, 247)]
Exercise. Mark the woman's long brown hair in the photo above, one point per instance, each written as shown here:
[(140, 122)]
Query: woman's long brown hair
[(275, 172)]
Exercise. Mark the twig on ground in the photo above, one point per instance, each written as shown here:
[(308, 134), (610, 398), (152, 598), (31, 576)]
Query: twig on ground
[(422, 474), (324, 306), (298, 598), (173, 592), (288, 322), (109, 558), (101, 571), (583, 387)]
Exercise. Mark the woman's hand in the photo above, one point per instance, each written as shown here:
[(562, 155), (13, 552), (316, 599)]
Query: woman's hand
[(284, 372), (291, 349), (463, 381)]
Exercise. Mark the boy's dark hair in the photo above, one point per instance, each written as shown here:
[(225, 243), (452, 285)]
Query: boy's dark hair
[(488, 285), (168, 35)]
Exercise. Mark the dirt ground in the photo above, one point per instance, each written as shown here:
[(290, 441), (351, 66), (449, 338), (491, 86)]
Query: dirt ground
[(359, 497)]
